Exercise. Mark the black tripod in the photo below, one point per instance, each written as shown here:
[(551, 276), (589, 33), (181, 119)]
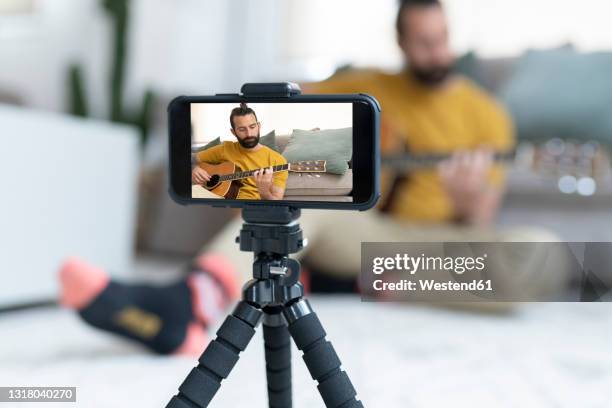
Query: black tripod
[(272, 233)]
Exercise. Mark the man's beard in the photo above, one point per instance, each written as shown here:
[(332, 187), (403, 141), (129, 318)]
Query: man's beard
[(431, 76), (249, 142)]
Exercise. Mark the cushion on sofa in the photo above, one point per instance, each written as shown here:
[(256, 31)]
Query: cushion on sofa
[(332, 145), (281, 142), (491, 73), (562, 93), (210, 144), (269, 140)]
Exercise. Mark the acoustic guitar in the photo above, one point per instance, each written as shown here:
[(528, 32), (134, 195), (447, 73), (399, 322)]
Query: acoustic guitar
[(225, 180), (582, 167), (577, 167), (407, 162)]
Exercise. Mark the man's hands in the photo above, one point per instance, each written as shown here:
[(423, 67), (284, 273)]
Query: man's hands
[(465, 178), (263, 181), (267, 190), (199, 175)]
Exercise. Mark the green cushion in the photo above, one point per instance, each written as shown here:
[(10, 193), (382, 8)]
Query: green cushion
[(333, 145), (269, 140), (469, 65), (210, 144), (562, 93)]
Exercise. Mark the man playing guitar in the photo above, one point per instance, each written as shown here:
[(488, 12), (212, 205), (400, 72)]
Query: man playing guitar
[(247, 154)]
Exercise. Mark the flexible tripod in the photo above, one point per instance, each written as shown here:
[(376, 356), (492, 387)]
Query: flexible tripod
[(275, 293)]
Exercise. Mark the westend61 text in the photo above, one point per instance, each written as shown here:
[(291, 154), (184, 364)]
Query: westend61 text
[(429, 285)]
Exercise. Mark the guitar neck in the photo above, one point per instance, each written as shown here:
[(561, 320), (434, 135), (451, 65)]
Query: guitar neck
[(414, 162), (246, 174)]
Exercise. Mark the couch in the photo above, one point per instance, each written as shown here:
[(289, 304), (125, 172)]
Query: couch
[(316, 187)]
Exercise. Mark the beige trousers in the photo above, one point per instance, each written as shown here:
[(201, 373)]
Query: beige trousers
[(335, 239)]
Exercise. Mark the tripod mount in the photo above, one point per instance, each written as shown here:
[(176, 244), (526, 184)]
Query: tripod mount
[(276, 297)]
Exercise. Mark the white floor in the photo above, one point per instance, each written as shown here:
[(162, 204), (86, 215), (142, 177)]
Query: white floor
[(543, 355)]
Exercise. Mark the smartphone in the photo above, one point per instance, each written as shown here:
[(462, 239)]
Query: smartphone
[(303, 151)]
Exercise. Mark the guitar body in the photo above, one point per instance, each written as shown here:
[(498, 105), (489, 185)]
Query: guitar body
[(225, 189)]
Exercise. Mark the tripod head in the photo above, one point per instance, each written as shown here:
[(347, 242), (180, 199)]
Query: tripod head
[(271, 229), (272, 233)]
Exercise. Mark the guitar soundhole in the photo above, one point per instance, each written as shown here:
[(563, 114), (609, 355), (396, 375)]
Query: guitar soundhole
[(214, 180)]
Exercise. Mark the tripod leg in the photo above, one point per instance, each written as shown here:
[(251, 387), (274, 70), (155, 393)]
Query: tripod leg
[(217, 361), (278, 359), (320, 357)]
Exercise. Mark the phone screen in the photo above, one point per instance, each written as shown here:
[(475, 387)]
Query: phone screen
[(272, 151)]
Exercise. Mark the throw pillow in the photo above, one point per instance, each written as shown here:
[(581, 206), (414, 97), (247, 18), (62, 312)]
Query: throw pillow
[(332, 145), (562, 93)]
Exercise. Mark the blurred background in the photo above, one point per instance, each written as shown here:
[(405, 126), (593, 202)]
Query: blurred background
[(84, 76)]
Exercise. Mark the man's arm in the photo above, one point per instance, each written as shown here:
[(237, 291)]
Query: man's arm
[(213, 155)]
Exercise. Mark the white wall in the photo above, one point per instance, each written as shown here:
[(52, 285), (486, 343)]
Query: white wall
[(36, 49), (503, 27), (176, 46), (183, 46), (207, 46), (212, 120), (322, 34)]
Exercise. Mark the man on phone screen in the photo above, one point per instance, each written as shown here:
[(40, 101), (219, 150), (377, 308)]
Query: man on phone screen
[(247, 154)]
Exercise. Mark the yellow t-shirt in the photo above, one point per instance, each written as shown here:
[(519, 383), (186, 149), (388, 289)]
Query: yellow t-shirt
[(246, 159), (421, 120)]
